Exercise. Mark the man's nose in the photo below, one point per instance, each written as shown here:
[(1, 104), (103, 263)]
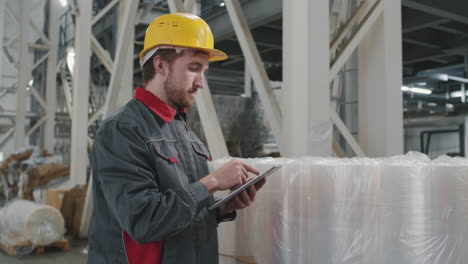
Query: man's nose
[(199, 81)]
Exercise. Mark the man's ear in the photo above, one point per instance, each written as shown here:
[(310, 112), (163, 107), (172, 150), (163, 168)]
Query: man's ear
[(160, 65)]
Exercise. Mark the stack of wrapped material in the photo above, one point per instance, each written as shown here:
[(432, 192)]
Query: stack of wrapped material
[(404, 209), (29, 223)]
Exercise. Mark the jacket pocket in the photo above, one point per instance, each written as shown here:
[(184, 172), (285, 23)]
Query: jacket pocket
[(166, 150), (201, 150)]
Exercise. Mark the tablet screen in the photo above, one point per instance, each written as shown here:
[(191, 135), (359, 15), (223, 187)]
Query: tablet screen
[(244, 186)]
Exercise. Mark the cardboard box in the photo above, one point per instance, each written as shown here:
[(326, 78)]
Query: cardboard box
[(71, 204)]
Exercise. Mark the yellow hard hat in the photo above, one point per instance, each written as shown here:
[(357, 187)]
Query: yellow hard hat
[(180, 30)]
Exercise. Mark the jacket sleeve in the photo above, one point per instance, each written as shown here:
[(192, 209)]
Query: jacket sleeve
[(121, 163)]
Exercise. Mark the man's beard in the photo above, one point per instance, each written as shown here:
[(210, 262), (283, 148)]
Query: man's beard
[(177, 97)]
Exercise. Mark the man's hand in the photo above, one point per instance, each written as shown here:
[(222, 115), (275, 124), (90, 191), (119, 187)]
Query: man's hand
[(230, 176), (242, 200)]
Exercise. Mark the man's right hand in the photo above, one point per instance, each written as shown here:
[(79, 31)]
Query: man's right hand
[(230, 176)]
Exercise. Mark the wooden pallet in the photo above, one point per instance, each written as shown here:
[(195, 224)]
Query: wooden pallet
[(27, 248), (243, 259)]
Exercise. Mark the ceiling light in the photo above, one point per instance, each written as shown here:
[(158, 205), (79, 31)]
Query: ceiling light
[(457, 94), (63, 2), (31, 82), (416, 90), (71, 59), (221, 4)]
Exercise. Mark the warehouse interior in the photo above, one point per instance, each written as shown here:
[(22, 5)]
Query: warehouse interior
[(363, 103)]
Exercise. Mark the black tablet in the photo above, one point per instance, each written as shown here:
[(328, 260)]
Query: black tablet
[(245, 186)]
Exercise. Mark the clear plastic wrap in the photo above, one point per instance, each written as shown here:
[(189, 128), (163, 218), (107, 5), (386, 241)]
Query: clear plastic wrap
[(25, 223), (403, 209)]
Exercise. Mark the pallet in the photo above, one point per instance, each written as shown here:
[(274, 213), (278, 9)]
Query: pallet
[(243, 259), (27, 248)]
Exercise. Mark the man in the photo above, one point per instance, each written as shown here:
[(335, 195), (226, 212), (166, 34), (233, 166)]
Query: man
[(151, 184)]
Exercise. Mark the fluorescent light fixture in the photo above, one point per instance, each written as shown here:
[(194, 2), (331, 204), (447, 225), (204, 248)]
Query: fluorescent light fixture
[(432, 104), (456, 94), (71, 59), (416, 90), (64, 3)]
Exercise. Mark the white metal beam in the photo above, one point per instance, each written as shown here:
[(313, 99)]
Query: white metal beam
[(66, 92), (23, 75), (247, 82), (41, 60), (2, 33), (126, 85), (36, 125), (102, 54), (38, 97), (15, 18), (259, 75), (38, 46), (175, 6), (380, 80), (346, 134), (306, 93), (51, 78), (39, 32), (87, 211), (344, 31), (355, 40), (209, 119), (81, 76), (124, 42), (7, 135), (104, 11), (189, 6)]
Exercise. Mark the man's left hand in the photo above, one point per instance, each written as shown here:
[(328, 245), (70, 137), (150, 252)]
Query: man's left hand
[(242, 200)]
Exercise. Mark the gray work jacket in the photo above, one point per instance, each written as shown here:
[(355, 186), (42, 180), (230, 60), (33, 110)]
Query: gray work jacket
[(145, 183)]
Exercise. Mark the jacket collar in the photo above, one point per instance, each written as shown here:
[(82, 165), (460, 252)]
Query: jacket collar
[(155, 104)]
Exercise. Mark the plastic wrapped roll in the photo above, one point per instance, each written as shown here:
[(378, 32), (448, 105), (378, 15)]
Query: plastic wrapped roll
[(448, 238), (403, 209), (23, 222), (332, 212), (407, 208)]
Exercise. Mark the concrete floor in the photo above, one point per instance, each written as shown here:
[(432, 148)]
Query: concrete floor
[(76, 255)]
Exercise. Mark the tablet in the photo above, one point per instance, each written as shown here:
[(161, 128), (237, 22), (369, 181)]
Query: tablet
[(243, 187)]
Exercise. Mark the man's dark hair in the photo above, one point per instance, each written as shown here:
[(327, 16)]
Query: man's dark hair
[(148, 71), (170, 55)]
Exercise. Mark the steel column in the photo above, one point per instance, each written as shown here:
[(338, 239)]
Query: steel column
[(380, 81), (81, 76), (124, 42), (2, 32), (306, 93), (23, 75), (51, 78), (126, 85)]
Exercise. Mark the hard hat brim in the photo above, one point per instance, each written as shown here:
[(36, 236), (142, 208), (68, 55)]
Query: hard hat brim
[(215, 55)]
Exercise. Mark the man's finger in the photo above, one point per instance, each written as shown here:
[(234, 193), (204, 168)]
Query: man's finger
[(245, 197), (260, 184), (250, 168), (239, 203), (252, 192)]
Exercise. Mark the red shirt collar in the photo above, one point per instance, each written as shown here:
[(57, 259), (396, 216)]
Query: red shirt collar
[(160, 108)]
